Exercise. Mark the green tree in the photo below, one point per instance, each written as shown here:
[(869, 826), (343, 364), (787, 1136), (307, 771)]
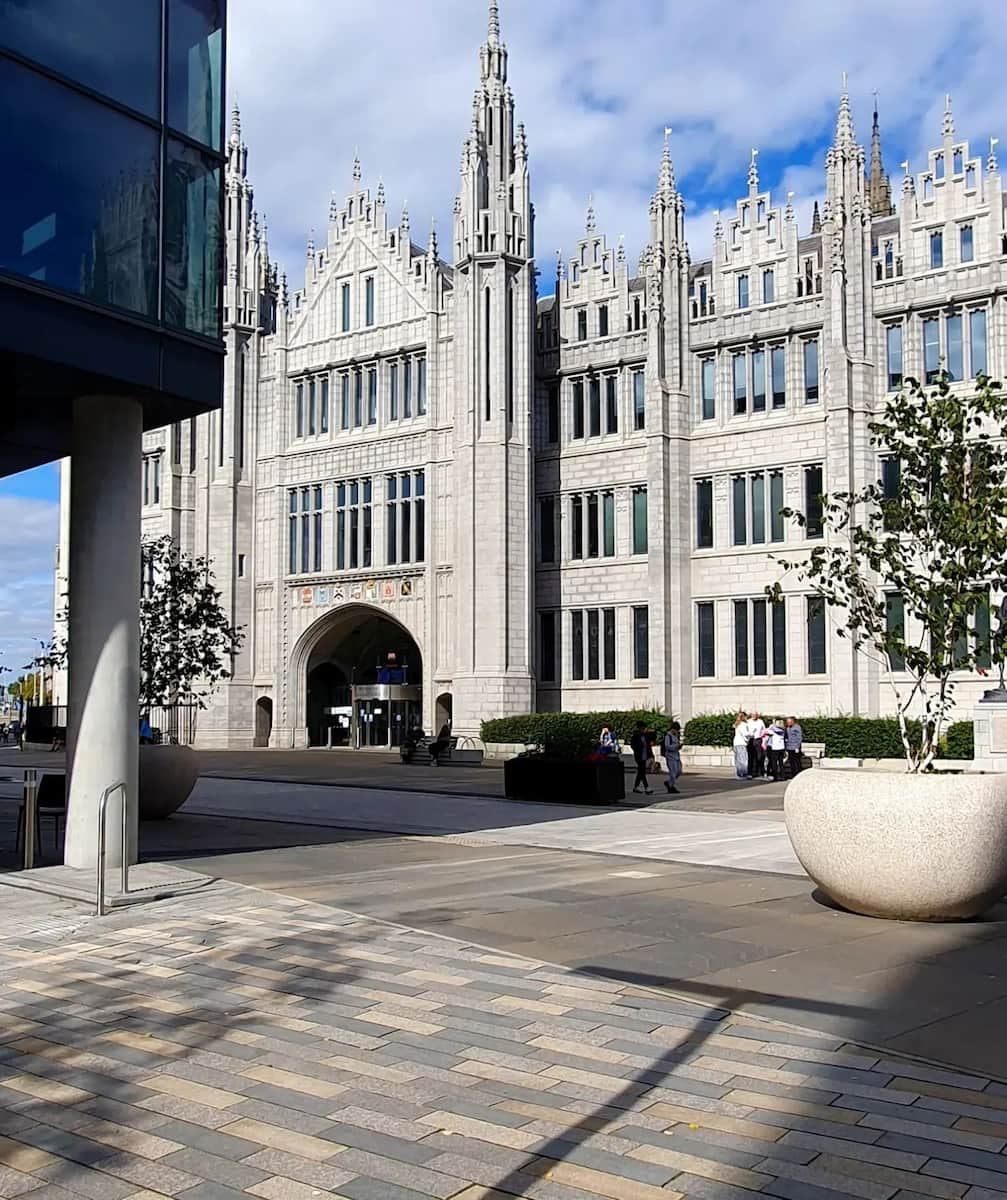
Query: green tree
[(907, 568)]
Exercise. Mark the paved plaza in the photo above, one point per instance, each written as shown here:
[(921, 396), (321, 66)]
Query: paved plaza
[(245, 1044)]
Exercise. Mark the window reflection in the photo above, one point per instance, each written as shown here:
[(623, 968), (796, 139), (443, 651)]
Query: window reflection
[(192, 241), (73, 39), (195, 63), (84, 215)]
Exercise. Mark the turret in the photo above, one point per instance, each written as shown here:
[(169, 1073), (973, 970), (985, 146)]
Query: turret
[(879, 186)]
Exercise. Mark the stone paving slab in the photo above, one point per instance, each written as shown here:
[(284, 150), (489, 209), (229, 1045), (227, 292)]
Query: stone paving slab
[(197, 1048)]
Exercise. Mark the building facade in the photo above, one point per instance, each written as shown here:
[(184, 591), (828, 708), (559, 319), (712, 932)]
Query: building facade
[(565, 502)]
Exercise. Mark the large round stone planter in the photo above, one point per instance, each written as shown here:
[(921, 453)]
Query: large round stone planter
[(905, 847), (167, 776)]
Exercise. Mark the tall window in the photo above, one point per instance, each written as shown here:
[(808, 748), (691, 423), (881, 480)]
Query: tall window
[(592, 525), (152, 479), (811, 371), (581, 324), (743, 291), (578, 408), (611, 403), (640, 520), (936, 250), (354, 524), (895, 626), (779, 367), (358, 398), (704, 514), (931, 349), (977, 342), (779, 623), (576, 526), (299, 410), (547, 529), (304, 530), (706, 664), (641, 643), (814, 509), (608, 524), (594, 409), (709, 370), (344, 293), (421, 387), (323, 405), (369, 300), (639, 401), (596, 659), (552, 414), (816, 635), (405, 517), (740, 372), (176, 444), (759, 381), (344, 401), (739, 507), (776, 506), (758, 486), (966, 243), (891, 474), (894, 338), (407, 388), (393, 391), (312, 423), (577, 644), (741, 637), (955, 347), (593, 644), (547, 648), (608, 643), (760, 638), (603, 320), (768, 286)]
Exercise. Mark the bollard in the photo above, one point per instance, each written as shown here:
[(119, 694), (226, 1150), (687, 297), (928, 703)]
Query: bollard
[(30, 816)]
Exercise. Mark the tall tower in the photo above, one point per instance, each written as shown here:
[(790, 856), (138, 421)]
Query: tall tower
[(494, 309), (879, 186)]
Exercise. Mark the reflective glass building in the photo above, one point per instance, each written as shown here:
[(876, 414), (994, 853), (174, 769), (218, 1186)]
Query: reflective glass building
[(111, 214)]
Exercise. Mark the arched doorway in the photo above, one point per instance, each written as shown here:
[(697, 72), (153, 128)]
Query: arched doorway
[(263, 720), (443, 711), (364, 681)]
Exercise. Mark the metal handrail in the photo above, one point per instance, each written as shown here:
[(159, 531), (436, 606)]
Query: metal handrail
[(100, 907)]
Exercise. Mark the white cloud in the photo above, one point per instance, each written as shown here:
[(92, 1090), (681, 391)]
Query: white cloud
[(595, 83), (28, 535)]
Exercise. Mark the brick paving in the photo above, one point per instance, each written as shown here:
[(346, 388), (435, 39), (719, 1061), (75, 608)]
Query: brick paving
[(237, 1044)]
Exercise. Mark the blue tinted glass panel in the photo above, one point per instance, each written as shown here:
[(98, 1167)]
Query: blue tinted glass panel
[(84, 215), (195, 62), (74, 39), (192, 241)]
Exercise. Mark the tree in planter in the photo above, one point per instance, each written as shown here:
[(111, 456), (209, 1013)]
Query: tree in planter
[(187, 644), (908, 566)]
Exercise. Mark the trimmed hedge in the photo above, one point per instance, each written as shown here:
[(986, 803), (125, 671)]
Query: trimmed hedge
[(572, 735), (844, 737)]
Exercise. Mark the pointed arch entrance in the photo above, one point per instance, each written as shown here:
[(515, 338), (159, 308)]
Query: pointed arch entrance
[(362, 674)]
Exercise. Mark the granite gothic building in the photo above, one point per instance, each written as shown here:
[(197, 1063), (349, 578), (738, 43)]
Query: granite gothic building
[(567, 502)]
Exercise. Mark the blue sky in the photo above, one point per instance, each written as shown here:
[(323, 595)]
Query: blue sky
[(595, 82)]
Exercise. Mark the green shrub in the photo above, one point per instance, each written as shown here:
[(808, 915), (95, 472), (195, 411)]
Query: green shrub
[(843, 737), (959, 741), (572, 735)]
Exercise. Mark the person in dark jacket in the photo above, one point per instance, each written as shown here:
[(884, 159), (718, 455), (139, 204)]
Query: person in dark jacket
[(438, 747), (640, 745), (794, 740)]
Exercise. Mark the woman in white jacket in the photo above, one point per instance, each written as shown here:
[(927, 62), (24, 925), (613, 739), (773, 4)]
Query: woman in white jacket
[(741, 746)]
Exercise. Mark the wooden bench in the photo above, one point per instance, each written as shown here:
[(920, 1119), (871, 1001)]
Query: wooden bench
[(459, 752)]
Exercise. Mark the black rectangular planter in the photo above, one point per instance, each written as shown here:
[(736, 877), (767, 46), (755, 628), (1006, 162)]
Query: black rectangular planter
[(557, 781)]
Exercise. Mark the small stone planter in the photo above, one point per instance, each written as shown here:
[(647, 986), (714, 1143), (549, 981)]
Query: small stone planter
[(899, 846), (167, 776)]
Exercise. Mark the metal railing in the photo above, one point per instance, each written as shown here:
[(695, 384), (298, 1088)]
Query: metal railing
[(30, 815), (100, 906)]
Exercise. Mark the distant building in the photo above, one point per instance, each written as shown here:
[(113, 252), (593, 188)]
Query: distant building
[(567, 502)]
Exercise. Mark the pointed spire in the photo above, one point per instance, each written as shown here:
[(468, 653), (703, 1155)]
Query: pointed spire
[(235, 125), (381, 191), (845, 137), (879, 187), (590, 222), (991, 163), (949, 119), (718, 227), (908, 182), (493, 36), (520, 142), (357, 171), (559, 265), (333, 207), (311, 243), (666, 178), (432, 240), (753, 172), (621, 255), (284, 293), (404, 219), (788, 212), (816, 220)]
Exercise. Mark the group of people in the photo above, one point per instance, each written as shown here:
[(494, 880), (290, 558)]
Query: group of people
[(760, 750), (645, 747)]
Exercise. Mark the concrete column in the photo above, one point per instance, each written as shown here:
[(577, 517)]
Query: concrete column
[(104, 625)]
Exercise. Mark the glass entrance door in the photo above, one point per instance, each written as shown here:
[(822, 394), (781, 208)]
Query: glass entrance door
[(405, 716), (373, 724)]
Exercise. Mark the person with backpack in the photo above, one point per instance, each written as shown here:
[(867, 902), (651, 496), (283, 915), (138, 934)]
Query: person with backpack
[(671, 751)]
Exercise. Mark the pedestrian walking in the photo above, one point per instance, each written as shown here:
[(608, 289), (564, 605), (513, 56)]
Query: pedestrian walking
[(741, 746), (794, 742), (639, 743), (777, 743), (671, 750), (756, 757)]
